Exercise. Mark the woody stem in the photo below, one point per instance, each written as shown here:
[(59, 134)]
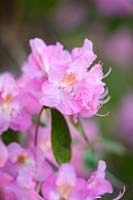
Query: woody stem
[(37, 126)]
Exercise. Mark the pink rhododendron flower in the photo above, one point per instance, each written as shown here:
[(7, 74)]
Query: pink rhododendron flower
[(66, 185), (97, 184), (10, 190), (67, 84), (43, 57), (68, 91), (21, 173), (30, 164), (13, 113)]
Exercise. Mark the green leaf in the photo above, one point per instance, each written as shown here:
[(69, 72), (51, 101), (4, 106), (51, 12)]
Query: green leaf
[(79, 127), (60, 138), (40, 7), (10, 136)]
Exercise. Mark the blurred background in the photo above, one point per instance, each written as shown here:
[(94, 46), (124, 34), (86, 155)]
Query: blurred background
[(108, 24)]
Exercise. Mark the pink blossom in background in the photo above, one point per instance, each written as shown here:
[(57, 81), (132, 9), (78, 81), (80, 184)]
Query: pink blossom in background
[(13, 112), (125, 120), (24, 168), (67, 84), (114, 7), (9, 189), (118, 48), (97, 184), (70, 12), (5, 192), (30, 164), (65, 184)]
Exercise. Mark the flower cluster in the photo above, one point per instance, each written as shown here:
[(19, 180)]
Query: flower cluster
[(67, 82), (23, 168), (52, 78)]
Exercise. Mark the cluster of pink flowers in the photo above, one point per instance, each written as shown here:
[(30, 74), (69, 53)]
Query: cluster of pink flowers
[(51, 78), (13, 109), (24, 171)]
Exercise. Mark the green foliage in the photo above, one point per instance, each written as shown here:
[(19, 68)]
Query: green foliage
[(60, 138), (40, 7), (10, 136), (91, 159)]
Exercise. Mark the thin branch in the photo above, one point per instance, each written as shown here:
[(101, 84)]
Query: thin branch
[(37, 126)]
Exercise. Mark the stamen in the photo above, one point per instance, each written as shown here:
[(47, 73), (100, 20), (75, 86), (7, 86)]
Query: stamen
[(106, 92), (121, 194), (8, 99), (109, 71), (106, 100), (102, 115), (22, 159), (69, 79)]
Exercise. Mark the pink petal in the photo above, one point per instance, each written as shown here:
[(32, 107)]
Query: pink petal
[(51, 95), (3, 154)]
